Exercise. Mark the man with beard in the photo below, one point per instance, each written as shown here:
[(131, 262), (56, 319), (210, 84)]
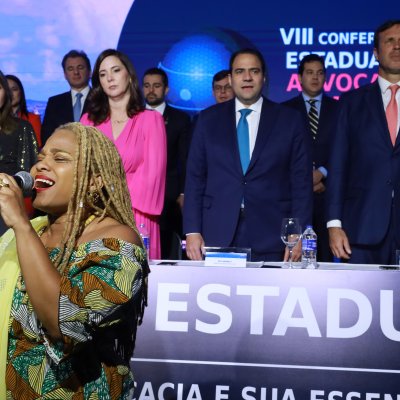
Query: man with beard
[(363, 187), (177, 124)]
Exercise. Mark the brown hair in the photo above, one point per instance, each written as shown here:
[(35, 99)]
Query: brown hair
[(98, 105), (7, 122)]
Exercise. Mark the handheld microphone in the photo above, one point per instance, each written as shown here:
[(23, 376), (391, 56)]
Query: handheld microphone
[(25, 182)]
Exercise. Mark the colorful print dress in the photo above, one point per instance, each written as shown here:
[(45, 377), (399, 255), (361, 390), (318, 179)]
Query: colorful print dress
[(100, 300)]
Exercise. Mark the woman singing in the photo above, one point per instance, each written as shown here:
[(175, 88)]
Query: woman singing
[(73, 282)]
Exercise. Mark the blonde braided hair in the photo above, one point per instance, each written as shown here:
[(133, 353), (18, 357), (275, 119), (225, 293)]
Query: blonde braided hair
[(96, 155)]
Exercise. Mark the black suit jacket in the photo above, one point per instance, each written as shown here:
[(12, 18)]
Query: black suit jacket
[(321, 148), (177, 125), (322, 145), (58, 111)]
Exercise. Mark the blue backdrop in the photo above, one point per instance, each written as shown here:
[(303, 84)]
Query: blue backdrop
[(190, 40), (193, 40)]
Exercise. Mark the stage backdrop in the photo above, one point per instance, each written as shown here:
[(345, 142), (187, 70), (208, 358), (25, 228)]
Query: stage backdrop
[(191, 40)]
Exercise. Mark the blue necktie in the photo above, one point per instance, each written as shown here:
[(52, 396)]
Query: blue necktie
[(243, 138), (78, 107)]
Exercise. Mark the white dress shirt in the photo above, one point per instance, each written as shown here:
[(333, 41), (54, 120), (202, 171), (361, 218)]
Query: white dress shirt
[(160, 108)]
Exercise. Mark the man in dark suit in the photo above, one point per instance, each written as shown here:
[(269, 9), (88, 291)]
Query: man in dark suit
[(68, 106), (312, 74), (236, 195), (364, 176), (177, 125)]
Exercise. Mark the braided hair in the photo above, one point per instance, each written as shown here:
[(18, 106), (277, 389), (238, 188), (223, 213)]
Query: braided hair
[(96, 155)]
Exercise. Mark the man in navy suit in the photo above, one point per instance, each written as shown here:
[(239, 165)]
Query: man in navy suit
[(364, 175), (60, 108), (228, 206), (312, 74), (177, 127)]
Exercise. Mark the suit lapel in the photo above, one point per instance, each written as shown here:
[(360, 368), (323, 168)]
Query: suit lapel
[(268, 118), (375, 104), (302, 106), (325, 117), (166, 114), (231, 134), (69, 109), (322, 111)]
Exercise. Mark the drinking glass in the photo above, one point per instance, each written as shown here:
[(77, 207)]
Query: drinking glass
[(290, 235)]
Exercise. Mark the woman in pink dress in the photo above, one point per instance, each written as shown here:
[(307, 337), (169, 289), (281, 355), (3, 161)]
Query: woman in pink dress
[(115, 107)]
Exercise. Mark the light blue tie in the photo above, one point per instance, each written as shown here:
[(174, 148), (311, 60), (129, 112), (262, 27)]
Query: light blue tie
[(78, 107), (243, 138)]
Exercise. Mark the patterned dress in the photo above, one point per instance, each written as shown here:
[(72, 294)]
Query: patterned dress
[(100, 300)]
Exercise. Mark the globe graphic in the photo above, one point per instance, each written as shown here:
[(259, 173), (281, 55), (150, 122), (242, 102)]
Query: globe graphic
[(190, 65)]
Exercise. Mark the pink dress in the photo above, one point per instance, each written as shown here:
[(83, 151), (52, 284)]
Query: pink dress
[(142, 146)]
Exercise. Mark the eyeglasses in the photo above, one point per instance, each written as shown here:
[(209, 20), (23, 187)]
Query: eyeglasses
[(219, 88)]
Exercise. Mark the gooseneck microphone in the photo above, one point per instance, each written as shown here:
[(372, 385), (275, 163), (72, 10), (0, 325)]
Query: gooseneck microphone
[(25, 182)]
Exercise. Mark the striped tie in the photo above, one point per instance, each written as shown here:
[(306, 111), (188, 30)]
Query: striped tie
[(313, 118)]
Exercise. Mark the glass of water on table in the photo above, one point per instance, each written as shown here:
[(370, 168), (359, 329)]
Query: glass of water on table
[(291, 234)]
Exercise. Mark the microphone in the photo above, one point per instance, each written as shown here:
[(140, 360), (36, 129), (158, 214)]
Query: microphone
[(25, 182)]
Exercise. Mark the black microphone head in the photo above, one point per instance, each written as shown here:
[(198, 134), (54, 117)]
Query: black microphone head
[(25, 182)]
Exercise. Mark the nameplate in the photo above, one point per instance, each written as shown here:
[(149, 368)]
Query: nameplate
[(221, 257)]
